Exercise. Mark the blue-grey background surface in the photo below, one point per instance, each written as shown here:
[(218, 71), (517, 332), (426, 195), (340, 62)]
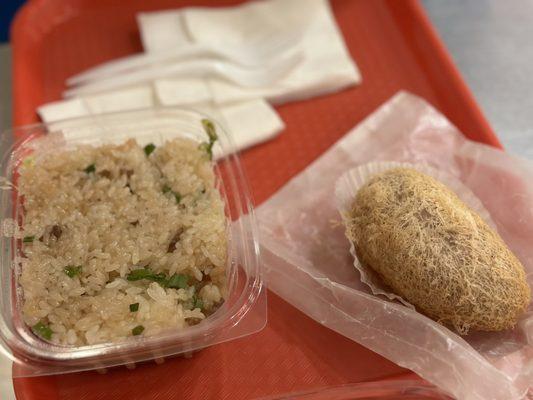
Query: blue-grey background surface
[(491, 42), (7, 10)]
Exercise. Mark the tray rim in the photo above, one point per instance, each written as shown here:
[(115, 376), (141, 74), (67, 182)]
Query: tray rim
[(413, 7)]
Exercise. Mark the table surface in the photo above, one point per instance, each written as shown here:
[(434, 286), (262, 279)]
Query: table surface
[(490, 43)]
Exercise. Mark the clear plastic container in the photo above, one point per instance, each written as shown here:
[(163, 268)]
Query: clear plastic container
[(243, 312)]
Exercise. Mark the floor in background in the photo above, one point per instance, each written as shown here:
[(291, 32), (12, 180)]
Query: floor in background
[(490, 41)]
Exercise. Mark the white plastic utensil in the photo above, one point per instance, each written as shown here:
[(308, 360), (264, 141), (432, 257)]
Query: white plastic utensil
[(246, 77), (254, 54)]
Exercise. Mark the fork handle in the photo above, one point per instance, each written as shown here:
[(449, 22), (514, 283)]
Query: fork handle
[(114, 67), (178, 70)]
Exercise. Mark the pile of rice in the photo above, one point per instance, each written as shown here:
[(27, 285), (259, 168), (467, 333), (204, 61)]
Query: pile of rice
[(95, 214)]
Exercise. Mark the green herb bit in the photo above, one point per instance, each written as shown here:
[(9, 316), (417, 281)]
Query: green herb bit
[(197, 303), (149, 148), (178, 281), (90, 169), (28, 239), (134, 307), (145, 273), (204, 146), (209, 128), (42, 330), (72, 271), (28, 161), (138, 274), (167, 189), (208, 148), (160, 278), (137, 330)]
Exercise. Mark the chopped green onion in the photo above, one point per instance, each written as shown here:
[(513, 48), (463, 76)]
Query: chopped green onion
[(72, 271), (28, 239), (42, 330), (145, 273), (90, 169), (149, 148), (210, 129), (204, 147), (134, 307), (138, 274), (178, 281), (198, 303), (28, 161), (137, 330), (160, 278), (167, 189)]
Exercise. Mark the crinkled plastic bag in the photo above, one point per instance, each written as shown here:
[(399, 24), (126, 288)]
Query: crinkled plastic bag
[(307, 257)]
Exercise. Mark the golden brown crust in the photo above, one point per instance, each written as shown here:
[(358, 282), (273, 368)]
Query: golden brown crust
[(437, 253)]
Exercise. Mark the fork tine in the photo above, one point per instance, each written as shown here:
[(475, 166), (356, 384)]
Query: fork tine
[(260, 55), (268, 76), (245, 77)]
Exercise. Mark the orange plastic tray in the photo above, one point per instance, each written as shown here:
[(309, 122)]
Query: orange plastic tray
[(395, 47)]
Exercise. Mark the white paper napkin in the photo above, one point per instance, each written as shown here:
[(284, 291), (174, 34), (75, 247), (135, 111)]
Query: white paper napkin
[(182, 91), (121, 100), (327, 66), (249, 122)]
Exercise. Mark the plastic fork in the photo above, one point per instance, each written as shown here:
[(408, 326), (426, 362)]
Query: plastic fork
[(260, 52), (246, 77)]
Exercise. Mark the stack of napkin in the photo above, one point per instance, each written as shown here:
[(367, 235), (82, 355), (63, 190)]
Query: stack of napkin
[(306, 26)]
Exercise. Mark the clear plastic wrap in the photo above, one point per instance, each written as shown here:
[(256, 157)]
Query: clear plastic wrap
[(383, 390), (307, 259)]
